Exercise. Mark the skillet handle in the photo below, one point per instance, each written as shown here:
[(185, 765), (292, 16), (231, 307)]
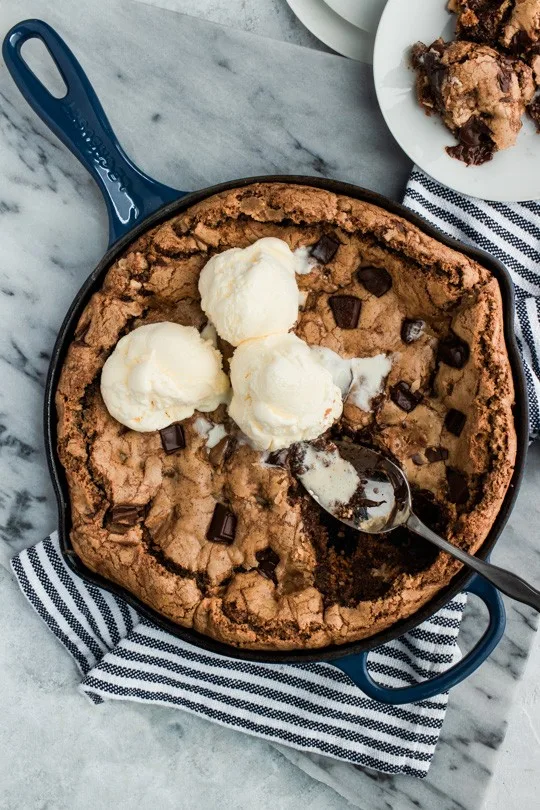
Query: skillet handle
[(356, 666), (79, 121)]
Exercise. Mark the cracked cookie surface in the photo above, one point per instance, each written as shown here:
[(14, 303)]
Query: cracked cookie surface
[(222, 539)]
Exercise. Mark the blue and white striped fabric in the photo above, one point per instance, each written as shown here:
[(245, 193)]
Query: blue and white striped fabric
[(510, 233), (312, 707)]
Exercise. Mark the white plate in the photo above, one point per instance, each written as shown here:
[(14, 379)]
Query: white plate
[(333, 30), (362, 13), (513, 175)]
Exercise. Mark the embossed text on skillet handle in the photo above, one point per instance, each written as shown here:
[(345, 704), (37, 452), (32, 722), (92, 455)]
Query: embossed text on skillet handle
[(79, 121)]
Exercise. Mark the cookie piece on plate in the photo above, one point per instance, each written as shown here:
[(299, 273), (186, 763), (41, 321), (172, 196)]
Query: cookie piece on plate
[(479, 93), (480, 20), (512, 24)]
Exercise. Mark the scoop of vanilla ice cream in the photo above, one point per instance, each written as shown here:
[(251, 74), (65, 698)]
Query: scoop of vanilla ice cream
[(161, 373), (251, 292), (281, 393)]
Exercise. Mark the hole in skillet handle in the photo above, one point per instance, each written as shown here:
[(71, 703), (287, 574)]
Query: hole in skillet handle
[(356, 666), (79, 121), (38, 59)]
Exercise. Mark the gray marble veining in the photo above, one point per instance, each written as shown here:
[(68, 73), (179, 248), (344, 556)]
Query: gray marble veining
[(193, 104)]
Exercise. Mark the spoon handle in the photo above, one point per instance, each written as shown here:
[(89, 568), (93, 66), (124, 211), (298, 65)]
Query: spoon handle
[(505, 581)]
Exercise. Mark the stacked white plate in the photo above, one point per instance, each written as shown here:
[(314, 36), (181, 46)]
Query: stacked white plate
[(349, 27), (346, 26)]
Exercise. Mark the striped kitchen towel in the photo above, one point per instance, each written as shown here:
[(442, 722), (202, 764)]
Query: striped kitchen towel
[(312, 707), (511, 233)]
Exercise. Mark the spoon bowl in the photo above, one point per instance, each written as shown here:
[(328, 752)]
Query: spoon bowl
[(367, 491), (361, 487), (385, 483)]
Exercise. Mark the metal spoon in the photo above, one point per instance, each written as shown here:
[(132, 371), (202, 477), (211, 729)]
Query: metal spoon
[(382, 502)]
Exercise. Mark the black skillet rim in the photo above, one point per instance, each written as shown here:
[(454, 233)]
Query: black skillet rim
[(333, 652)]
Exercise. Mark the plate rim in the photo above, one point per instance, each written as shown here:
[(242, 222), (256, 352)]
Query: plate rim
[(330, 3), (355, 30)]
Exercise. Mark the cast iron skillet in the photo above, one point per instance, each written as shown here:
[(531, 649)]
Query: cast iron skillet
[(135, 203)]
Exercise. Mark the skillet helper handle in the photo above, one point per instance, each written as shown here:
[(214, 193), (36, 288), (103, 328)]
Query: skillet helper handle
[(79, 121), (356, 666)]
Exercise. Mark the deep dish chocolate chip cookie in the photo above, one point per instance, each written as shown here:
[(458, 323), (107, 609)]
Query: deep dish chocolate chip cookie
[(221, 537)]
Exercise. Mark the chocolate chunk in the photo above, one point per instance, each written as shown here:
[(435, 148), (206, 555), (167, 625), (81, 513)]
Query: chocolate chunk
[(278, 458), (475, 145), (222, 451), (505, 77), (122, 517), (411, 330), (268, 560), (404, 398), (455, 421), (436, 454), (435, 73), (432, 73), (173, 438), (474, 132), (222, 526), (458, 489), (325, 249), (346, 310), (453, 351), (127, 513), (418, 459), (376, 280), (521, 42)]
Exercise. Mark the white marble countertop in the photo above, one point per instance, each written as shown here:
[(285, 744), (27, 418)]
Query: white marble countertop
[(58, 750)]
